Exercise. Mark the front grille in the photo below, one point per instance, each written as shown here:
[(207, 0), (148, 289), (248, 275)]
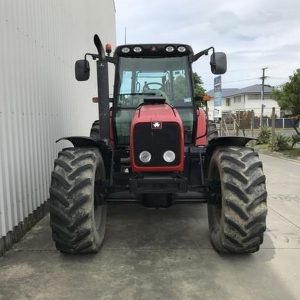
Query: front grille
[(157, 141)]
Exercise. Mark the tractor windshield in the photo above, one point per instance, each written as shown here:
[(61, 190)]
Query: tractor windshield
[(164, 77), (139, 78)]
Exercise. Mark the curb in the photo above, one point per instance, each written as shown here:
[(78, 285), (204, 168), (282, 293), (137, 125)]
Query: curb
[(15, 235), (278, 156)]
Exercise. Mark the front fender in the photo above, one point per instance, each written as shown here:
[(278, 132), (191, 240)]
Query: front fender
[(239, 141), (86, 141), (227, 141), (80, 141)]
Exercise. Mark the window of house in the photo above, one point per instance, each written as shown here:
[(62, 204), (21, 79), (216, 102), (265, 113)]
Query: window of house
[(237, 99), (227, 101), (268, 96), (254, 97), (258, 96)]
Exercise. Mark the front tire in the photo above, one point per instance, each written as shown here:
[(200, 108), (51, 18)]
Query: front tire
[(237, 209), (77, 213)]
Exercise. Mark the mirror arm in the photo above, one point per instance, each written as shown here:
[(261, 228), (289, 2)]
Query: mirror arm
[(112, 60), (201, 53), (96, 56)]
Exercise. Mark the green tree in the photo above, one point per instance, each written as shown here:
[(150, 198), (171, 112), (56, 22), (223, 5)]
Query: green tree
[(180, 88), (198, 88), (288, 96)]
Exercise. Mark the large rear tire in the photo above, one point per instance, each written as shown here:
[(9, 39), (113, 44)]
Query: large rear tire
[(238, 208), (212, 130), (77, 213)]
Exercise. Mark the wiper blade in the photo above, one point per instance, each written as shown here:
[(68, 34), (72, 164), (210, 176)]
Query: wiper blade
[(134, 94)]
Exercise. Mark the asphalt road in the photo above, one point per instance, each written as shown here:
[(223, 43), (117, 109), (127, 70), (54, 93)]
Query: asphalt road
[(166, 254)]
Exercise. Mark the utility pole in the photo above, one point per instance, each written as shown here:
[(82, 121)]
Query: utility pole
[(125, 36), (262, 95)]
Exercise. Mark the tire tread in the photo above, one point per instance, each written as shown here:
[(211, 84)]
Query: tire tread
[(244, 201), (71, 200)]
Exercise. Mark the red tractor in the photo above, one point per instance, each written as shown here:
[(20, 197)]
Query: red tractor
[(150, 145)]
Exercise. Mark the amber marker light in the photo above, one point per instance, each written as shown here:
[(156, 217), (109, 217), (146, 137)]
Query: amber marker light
[(108, 48), (206, 98)]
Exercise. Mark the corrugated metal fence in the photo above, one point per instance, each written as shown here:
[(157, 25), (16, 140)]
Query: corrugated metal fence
[(40, 100)]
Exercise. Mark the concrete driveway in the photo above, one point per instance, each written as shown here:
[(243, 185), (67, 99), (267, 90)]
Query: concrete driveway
[(165, 254)]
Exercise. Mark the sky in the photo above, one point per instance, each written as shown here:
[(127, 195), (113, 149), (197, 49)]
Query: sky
[(253, 34)]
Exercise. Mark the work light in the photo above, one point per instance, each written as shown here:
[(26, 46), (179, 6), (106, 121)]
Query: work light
[(125, 50), (137, 49), (181, 49), (170, 49)]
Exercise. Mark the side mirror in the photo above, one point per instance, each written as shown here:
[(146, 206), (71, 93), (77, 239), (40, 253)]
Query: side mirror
[(218, 63), (82, 70)]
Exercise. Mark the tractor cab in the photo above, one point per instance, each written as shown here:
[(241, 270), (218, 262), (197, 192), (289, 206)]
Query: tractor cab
[(157, 71)]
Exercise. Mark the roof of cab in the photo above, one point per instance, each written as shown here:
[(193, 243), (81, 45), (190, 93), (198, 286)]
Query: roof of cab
[(153, 50)]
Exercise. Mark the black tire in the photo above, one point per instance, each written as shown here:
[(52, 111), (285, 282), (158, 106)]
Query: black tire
[(77, 214), (95, 130), (238, 207), (212, 130)]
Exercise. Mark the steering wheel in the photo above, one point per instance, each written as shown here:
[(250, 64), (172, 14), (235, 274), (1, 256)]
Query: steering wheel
[(146, 86), (158, 93)]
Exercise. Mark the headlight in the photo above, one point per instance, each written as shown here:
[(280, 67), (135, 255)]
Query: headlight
[(125, 50), (145, 156), (169, 156), (181, 49), (137, 49)]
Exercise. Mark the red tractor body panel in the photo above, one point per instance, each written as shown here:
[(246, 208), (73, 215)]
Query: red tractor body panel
[(157, 116), (201, 133)]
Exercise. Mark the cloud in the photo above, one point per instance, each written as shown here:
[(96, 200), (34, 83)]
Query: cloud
[(253, 33)]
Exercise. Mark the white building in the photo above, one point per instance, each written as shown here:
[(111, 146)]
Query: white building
[(40, 100), (247, 99), (216, 112)]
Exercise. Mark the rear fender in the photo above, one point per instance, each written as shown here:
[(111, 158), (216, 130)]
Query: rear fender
[(201, 130)]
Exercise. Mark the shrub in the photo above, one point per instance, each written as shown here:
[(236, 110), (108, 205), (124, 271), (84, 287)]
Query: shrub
[(295, 140), (281, 142), (264, 136)]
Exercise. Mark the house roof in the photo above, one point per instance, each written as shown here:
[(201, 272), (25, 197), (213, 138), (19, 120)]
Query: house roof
[(256, 89), (225, 92), (252, 89)]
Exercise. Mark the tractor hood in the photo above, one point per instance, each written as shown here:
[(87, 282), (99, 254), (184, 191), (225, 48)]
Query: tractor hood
[(157, 128), (157, 113)]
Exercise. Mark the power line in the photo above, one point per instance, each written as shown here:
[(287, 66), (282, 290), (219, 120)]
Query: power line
[(247, 79), (236, 80), (239, 70), (279, 78), (240, 80)]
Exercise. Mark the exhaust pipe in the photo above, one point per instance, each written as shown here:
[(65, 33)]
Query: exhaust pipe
[(103, 90)]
